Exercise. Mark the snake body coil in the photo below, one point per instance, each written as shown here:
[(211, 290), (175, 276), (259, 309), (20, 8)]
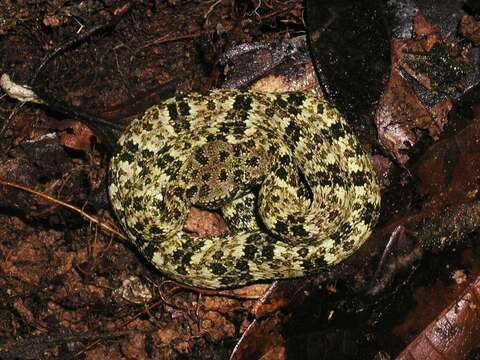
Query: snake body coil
[(290, 177)]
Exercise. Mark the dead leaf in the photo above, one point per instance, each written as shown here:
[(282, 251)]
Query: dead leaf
[(76, 136), (470, 28), (453, 334)]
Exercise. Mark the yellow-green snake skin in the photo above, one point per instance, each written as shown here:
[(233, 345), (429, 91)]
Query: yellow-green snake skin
[(289, 176)]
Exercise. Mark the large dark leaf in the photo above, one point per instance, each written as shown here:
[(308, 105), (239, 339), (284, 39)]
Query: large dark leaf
[(445, 15), (349, 42)]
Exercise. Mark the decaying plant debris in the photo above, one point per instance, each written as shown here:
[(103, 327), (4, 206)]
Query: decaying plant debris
[(68, 290)]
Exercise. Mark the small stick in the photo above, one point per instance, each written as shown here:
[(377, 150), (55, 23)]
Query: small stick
[(67, 205), (167, 38), (118, 11)]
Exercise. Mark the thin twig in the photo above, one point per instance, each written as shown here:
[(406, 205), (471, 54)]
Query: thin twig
[(167, 38), (240, 293), (117, 11), (67, 205), (65, 46), (210, 9)]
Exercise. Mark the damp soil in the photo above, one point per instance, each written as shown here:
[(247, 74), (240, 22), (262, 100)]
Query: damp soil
[(71, 291)]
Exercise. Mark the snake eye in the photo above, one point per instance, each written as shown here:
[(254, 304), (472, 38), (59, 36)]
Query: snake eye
[(282, 173), (223, 175), (285, 159), (191, 191), (223, 155)]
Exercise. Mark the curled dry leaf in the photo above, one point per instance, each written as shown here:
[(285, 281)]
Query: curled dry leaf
[(24, 312), (253, 291), (76, 136)]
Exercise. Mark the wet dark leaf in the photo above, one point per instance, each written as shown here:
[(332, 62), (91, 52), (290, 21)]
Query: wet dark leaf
[(453, 334), (349, 43), (429, 73)]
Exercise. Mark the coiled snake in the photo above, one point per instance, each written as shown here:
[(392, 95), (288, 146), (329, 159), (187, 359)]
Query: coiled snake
[(289, 176)]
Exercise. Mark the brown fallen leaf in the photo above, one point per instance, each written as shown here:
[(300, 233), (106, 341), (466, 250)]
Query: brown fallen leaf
[(445, 172), (284, 294), (448, 212), (400, 110), (470, 28), (403, 50), (261, 340), (426, 71), (453, 334), (76, 136)]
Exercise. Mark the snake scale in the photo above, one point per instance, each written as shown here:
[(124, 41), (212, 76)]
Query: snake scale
[(285, 170)]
